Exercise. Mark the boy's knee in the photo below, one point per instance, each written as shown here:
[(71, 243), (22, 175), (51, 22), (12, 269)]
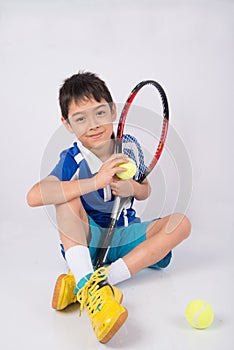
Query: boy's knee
[(72, 207), (179, 222), (185, 227)]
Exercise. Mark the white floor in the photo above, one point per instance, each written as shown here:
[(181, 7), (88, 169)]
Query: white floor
[(156, 300)]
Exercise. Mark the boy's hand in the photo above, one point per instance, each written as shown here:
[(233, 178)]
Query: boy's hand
[(122, 188), (105, 175)]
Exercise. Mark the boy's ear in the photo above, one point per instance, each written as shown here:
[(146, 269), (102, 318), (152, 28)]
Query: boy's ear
[(67, 125), (113, 112)]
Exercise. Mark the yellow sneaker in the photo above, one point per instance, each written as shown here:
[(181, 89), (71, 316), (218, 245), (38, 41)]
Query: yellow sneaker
[(64, 292), (97, 297)]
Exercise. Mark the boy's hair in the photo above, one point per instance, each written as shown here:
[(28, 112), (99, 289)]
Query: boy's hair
[(81, 86)]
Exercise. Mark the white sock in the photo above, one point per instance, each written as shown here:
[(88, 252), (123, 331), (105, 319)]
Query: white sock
[(118, 272), (79, 261)]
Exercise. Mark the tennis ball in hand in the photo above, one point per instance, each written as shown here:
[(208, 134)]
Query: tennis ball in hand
[(130, 172), (199, 314)]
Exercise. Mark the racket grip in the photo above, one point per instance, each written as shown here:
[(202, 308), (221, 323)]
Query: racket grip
[(100, 257), (115, 209), (107, 238), (104, 244)]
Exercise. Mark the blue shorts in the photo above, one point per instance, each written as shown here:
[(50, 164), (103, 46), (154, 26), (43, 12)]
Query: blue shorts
[(124, 240)]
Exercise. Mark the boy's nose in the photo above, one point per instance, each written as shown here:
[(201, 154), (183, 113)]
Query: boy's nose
[(93, 123)]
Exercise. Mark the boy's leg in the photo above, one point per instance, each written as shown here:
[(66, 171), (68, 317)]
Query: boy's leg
[(93, 291), (73, 225), (73, 229), (161, 237)]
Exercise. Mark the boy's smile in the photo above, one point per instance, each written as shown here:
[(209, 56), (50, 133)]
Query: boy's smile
[(91, 122)]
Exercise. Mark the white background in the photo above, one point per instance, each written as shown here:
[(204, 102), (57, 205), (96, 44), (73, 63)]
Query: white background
[(188, 47)]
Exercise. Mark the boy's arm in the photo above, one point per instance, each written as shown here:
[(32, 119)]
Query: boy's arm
[(53, 191), (142, 190), (126, 188)]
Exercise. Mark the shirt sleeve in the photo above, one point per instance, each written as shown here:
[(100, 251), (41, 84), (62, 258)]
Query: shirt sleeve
[(67, 165)]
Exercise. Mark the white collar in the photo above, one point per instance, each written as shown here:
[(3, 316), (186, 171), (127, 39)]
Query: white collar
[(93, 161)]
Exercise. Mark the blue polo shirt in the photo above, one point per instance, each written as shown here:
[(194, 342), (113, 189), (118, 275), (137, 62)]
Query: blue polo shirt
[(77, 162)]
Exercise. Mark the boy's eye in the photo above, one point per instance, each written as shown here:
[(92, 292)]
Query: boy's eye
[(101, 113), (80, 119)]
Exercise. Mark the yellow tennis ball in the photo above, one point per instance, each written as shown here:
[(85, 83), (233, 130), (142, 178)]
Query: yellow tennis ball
[(130, 172), (199, 314)]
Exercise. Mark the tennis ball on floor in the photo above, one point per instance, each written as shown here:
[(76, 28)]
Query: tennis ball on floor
[(130, 172), (199, 314)]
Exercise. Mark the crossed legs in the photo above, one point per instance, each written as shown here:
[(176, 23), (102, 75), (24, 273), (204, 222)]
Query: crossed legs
[(161, 236)]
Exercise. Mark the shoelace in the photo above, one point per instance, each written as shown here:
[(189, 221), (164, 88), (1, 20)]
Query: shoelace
[(89, 295)]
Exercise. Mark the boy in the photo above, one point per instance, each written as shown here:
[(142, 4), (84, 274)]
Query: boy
[(81, 187)]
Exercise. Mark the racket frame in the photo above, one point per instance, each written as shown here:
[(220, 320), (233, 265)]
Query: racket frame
[(119, 203)]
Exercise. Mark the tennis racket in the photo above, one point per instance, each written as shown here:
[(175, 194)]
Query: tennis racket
[(128, 144)]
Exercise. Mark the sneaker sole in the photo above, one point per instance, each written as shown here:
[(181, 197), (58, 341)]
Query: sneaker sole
[(119, 322), (56, 302)]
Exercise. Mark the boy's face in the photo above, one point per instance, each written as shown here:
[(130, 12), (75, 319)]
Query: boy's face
[(91, 121)]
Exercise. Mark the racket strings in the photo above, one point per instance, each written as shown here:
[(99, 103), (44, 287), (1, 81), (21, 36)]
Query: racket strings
[(132, 148)]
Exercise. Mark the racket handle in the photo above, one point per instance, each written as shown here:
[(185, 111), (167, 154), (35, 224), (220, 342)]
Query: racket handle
[(107, 238), (104, 244), (115, 209)]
